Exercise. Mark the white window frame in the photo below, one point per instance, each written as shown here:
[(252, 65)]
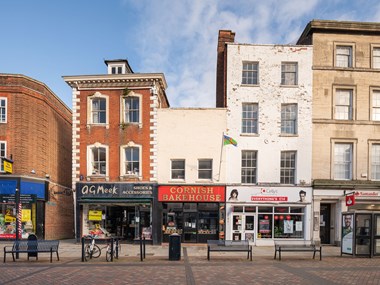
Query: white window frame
[(124, 111), (374, 155), (289, 73), (249, 166), (375, 104), (343, 108), (250, 73), (375, 55), (3, 154), (119, 68), (123, 162), (288, 172), (205, 170), (289, 119), (178, 169), (344, 55), (3, 110), (346, 162), (97, 95), (250, 116), (90, 161)]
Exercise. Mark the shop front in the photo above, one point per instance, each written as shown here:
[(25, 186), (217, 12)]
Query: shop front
[(196, 212), (123, 210), (29, 213), (263, 214)]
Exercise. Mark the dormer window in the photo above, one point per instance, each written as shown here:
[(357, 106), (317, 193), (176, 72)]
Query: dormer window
[(118, 66), (117, 69)]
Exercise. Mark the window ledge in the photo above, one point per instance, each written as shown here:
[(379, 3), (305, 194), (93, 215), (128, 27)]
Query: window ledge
[(289, 135), (97, 178), (177, 180), (203, 180), (249, 135), (249, 85), (126, 125), (107, 126), (289, 86), (130, 177)]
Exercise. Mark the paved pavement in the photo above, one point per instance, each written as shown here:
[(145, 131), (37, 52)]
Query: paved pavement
[(192, 268)]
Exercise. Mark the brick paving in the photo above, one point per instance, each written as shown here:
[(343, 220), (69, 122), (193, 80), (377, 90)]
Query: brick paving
[(193, 268)]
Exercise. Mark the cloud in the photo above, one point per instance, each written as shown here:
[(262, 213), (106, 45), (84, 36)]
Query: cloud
[(179, 38)]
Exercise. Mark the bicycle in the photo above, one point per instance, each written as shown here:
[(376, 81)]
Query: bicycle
[(116, 250), (91, 250)]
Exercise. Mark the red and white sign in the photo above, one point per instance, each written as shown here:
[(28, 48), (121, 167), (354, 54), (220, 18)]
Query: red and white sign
[(367, 193), (191, 193), (269, 198), (350, 200)]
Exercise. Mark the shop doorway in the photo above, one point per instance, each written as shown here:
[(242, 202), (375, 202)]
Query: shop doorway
[(325, 222), (243, 227), (190, 227)]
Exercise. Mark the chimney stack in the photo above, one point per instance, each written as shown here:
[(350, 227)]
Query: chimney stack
[(225, 36)]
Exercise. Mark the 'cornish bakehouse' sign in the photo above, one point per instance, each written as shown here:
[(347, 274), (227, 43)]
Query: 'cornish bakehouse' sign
[(114, 190)]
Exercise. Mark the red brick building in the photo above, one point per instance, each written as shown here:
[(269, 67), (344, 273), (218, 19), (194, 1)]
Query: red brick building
[(35, 133), (114, 153)]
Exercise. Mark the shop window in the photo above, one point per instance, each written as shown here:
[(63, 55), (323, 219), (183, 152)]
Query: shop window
[(190, 206), (8, 221), (264, 226), (265, 209), (281, 209), (288, 226), (237, 209), (249, 209)]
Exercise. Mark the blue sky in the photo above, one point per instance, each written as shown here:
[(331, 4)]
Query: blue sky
[(46, 39)]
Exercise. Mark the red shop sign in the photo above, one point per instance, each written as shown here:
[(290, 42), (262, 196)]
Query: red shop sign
[(350, 200), (191, 193)]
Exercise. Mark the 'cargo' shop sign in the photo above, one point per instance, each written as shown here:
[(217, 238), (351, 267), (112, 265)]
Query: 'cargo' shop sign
[(114, 190), (191, 193)]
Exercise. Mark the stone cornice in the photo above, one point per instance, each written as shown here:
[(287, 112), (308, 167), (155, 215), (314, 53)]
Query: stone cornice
[(115, 80)]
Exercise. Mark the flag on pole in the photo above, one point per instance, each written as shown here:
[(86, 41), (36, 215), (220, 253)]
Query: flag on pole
[(228, 140)]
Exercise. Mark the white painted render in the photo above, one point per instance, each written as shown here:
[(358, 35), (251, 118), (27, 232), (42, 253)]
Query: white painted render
[(269, 94), (190, 134)]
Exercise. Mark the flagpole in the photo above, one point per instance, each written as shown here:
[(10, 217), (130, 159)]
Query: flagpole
[(221, 154)]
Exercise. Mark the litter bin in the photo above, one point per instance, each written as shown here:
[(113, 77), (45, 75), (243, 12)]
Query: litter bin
[(32, 245), (174, 247)]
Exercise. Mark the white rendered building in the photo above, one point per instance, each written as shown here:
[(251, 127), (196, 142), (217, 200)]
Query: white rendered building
[(267, 90)]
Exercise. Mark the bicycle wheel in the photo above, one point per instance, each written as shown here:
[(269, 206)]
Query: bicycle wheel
[(87, 253), (96, 251)]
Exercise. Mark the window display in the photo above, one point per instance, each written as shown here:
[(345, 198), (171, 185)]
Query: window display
[(8, 220), (195, 222)]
